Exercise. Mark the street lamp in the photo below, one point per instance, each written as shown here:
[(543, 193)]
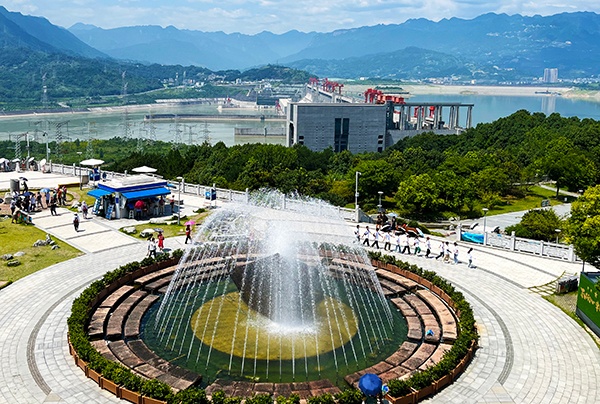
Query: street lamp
[(557, 234), (356, 190), (485, 211), (80, 175), (180, 179), (379, 206)]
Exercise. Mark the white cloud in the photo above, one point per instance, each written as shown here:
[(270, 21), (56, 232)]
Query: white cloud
[(252, 16)]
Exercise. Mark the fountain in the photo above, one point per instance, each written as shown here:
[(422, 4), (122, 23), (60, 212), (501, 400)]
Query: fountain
[(274, 290)]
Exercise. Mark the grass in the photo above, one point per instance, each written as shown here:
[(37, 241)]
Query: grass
[(567, 303), (20, 237), (171, 229), (532, 200)]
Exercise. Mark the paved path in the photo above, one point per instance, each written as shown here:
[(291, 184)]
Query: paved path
[(530, 351)]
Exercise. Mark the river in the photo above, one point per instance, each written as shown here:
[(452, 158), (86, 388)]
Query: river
[(109, 123)]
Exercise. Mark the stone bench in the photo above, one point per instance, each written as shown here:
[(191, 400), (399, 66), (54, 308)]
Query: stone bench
[(436, 356), (114, 326), (394, 287), (420, 356), (125, 355), (117, 296), (445, 316), (143, 280), (408, 284), (102, 347), (134, 320)]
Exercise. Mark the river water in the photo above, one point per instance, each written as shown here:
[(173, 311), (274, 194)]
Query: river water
[(111, 122)]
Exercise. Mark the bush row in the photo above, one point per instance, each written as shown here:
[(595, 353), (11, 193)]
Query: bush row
[(460, 348)]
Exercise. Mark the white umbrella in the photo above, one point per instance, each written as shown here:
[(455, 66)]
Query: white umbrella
[(92, 162), (144, 169), (2, 160)]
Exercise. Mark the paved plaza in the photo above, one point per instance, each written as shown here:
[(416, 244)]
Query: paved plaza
[(530, 351)]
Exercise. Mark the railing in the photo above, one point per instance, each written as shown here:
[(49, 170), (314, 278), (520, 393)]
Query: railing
[(535, 247), (222, 194)]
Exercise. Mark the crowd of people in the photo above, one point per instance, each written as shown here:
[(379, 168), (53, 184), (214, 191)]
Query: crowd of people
[(401, 240)]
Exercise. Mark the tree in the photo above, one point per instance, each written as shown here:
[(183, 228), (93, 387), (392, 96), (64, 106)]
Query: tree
[(583, 226), (418, 196), (538, 224)]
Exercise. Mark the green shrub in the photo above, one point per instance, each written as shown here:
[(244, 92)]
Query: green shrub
[(349, 396), (325, 398), (218, 397), (233, 400), (156, 389), (192, 395), (460, 348), (260, 399)]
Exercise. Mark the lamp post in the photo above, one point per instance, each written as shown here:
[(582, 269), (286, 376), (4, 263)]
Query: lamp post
[(485, 211), (557, 234), (180, 179), (358, 173), (379, 206), (80, 175)]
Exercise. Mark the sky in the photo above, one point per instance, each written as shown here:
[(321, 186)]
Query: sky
[(277, 16)]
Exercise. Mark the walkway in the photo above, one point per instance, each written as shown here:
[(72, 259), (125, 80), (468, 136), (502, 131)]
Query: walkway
[(531, 352)]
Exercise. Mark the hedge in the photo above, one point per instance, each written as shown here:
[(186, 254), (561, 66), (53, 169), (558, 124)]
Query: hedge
[(460, 348)]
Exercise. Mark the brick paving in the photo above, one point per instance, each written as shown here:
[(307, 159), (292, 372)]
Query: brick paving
[(530, 351)]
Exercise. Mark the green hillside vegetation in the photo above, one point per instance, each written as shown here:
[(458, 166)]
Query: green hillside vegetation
[(429, 176)]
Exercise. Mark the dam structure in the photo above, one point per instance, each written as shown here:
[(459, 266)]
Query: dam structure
[(326, 118)]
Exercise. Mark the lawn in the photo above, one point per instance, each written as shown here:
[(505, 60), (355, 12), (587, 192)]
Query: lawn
[(20, 237), (172, 229), (533, 200)]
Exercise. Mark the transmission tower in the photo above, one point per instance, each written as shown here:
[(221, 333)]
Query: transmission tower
[(44, 92), (60, 138), (206, 133), (124, 87), (190, 132), (176, 134), (91, 136), (143, 133), (126, 125)]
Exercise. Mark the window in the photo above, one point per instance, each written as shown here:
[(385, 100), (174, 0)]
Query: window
[(340, 138)]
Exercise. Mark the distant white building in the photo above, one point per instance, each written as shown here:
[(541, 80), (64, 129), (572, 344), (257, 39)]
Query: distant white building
[(550, 75)]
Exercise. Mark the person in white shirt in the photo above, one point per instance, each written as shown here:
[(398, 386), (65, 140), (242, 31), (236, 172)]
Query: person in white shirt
[(387, 245), (366, 236), (427, 247), (398, 243)]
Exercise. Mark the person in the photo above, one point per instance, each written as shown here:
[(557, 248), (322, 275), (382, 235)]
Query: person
[(398, 243), (188, 234), (84, 209), (417, 246), (470, 258), (442, 250), (455, 253), (32, 203), (161, 205), (387, 245), (151, 247), (427, 247), (366, 235), (376, 236), (13, 206), (161, 241), (357, 233), (447, 252), (48, 199), (406, 248), (76, 222), (64, 194), (172, 203), (53, 206), (58, 195), (38, 198)]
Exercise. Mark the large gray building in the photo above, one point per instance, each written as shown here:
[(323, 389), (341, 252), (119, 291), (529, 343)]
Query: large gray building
[(356, 127), (363, 127)]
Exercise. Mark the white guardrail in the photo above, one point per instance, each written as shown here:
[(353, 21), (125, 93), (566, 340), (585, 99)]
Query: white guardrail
[(536, 247), (511, 243), (223, 194)]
